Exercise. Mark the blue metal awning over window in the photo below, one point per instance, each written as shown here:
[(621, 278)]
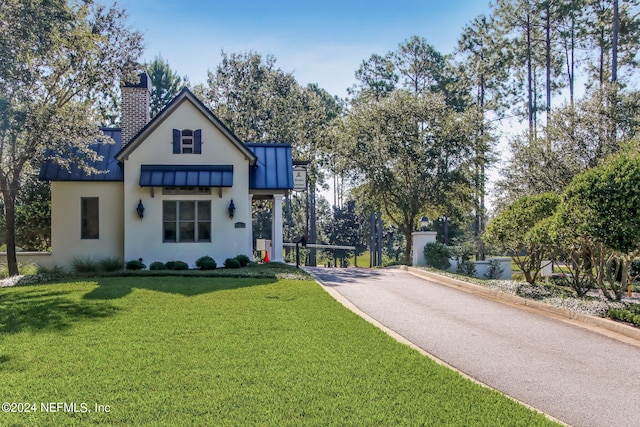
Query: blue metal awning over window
[(186, 176)]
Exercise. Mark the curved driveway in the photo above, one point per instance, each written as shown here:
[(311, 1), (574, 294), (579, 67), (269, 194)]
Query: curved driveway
[(573, 374)]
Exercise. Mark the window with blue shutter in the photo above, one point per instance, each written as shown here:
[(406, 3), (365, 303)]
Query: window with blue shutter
[(176, 141), (197, 141)]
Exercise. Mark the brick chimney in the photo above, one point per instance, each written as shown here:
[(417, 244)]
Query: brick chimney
[(135, 107)]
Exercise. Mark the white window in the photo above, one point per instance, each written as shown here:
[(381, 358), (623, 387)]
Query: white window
[(186, 141)]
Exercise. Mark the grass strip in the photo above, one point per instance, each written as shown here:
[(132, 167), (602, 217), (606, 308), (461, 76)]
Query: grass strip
[(221, 351)]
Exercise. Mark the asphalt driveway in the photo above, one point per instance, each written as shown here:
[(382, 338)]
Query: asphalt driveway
[(571, 373)]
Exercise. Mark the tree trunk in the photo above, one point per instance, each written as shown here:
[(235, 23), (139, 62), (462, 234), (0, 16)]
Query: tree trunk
[(379, 247), (529, 78), (614, 43), (10, 234), (312, 231), (548, 59), (372, 240), (408, 238)]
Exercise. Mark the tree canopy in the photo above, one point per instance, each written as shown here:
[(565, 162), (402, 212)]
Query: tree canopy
[(55, 57)]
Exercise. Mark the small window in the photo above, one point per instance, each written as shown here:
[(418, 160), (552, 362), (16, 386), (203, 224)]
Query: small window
[(89, 218), (186, 141), (189, 191)]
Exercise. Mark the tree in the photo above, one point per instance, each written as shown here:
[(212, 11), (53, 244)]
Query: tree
[(55, 56), (376, 77), (572, 142), (511, 231), (262, 103), (405, 149), (165, 83), (420, 66), (603, 204), (485, 70), (345, 228)]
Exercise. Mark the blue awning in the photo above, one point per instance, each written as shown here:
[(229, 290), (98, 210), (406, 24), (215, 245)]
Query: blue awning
[(186, 176)]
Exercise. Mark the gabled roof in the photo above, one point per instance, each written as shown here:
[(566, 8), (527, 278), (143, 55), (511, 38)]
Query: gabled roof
[(52, 171), (274, 167), (184, 96)]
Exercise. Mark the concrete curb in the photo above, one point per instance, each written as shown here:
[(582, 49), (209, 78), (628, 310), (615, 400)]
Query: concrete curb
[(613, 329)]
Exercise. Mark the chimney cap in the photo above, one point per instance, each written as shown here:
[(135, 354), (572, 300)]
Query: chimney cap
[(143, 81)]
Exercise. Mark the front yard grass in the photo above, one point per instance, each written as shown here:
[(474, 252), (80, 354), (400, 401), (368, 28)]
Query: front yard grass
[(221, 351)]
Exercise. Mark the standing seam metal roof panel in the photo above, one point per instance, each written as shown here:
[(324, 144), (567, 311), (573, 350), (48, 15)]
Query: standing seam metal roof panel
[(112, 169), (186, 176), (274, 167)]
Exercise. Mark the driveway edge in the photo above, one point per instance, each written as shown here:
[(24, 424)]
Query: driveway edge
[(603, 326)]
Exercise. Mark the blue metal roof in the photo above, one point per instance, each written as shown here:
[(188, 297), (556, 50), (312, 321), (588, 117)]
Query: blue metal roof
[(51, 171), (186, 176), (273, 169)]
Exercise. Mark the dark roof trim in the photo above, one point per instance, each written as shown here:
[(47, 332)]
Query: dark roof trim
[(184, 95)]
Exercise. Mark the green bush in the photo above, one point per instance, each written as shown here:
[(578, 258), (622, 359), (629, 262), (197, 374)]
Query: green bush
[(206, 263), (52, 270), (110, 264), (631, 314), (463, 256), (495, 270), (177, 265), (437, 255), (135, 264), (84, 265), (231, 263), (243, 260), (157, 265)]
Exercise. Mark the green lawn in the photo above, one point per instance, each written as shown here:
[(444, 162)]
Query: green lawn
[(221, 351)]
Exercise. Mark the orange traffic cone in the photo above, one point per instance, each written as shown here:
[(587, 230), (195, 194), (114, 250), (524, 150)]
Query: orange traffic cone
[(266, 257)]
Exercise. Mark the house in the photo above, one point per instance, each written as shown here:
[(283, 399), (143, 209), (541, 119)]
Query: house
[(177, 187)]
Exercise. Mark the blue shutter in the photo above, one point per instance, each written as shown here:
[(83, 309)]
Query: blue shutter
[(197, 141), (176, 141)]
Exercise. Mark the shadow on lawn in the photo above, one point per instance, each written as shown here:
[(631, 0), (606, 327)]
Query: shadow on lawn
[(39, 310), (114, 288)]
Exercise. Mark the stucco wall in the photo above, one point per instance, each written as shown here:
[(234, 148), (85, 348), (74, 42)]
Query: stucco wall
[(143, 237), (66, 243)]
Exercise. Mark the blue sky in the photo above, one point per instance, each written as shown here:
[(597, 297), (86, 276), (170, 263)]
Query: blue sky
[(319, 42)]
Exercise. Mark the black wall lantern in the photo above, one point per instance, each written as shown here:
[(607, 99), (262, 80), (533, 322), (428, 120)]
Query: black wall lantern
[(232, 209), (424, 224), (140, 209)]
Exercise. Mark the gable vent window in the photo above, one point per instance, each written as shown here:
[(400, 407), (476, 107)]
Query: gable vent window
[(187, 141)]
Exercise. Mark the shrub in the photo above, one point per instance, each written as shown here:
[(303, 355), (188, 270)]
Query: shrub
[(630, 314), (437, 255), (110, 264), (463, 256), (243, 260), (157, 265), (84, 265), (53, 270), (206, 263), (231, 263), (177, 265), (135, 264), (495, 270)]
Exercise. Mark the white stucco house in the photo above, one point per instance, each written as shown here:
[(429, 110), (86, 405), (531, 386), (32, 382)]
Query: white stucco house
[(177, 187)]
